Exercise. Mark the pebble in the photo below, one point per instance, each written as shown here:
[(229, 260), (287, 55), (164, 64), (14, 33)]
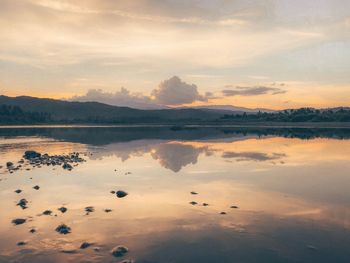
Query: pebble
[(37, 187), (119, 251), (47, 212), (23, 203), (121, 194), (18, 191), (85, 245), (21, 243), (63, 229), (62, 209), (89, 209), (193, 203), (19, 221)]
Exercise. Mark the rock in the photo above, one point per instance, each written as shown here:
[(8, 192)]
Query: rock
[(47, 212), (234, 207), (89, 209), (33, 230), (37, 187), (21, 243), (67, 166), (23, 203), (9, 165), (223, 213), (31, 155), (205, 204), (85, 245), (19, 221), (119, 251), (108, 210), (18, 191), (63, 229), (62, 209), (193, 203), (121, 194), (112, 192), (194, 193)]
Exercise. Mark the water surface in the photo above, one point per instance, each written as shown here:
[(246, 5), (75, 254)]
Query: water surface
[(290, 187)]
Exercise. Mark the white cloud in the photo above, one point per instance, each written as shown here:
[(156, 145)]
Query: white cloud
[(170, 92), (174, 91), (123, 98), (252, 91)]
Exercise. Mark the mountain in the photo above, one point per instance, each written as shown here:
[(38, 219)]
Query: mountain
[(230, 108), (94, 112), (30, 110)]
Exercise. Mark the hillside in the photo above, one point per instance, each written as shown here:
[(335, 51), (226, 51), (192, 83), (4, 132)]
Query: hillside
[(65, 111), (30, 110)]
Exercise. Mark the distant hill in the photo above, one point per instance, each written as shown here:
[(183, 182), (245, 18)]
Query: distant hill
[(94, 112), (30, 110)]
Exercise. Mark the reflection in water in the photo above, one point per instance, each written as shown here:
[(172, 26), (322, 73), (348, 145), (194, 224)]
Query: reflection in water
[(253, 156), (174, 156), (293, 197)]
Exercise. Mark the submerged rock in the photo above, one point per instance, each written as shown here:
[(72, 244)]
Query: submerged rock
[(47, 212), (63, 229), (21, 243), (67, 166), (23, 203), (119, 251), (31, 155), (89, 209), (62, 209), (85, 245), (19, 221), (121, 194)]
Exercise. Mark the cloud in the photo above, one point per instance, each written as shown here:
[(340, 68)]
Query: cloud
[(252, 91), (170, 92), (174, 91), (253, 156), (123, 98)]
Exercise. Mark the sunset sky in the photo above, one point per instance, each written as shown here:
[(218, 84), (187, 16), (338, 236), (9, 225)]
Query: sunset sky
[(145, 53)]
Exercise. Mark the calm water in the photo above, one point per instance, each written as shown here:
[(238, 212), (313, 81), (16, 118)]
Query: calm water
[(291, 187)]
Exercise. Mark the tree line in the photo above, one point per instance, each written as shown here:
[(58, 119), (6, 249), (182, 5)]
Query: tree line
[(297, 115), (15, 115)]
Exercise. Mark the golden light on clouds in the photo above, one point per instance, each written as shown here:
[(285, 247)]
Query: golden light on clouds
[(48, 46)]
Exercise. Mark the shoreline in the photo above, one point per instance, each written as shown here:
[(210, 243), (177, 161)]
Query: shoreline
[(286, 125)]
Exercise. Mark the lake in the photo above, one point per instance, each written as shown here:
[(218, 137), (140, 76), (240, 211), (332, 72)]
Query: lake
[(193, 195)]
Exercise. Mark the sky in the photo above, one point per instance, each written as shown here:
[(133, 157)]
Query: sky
[(273, 54)]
